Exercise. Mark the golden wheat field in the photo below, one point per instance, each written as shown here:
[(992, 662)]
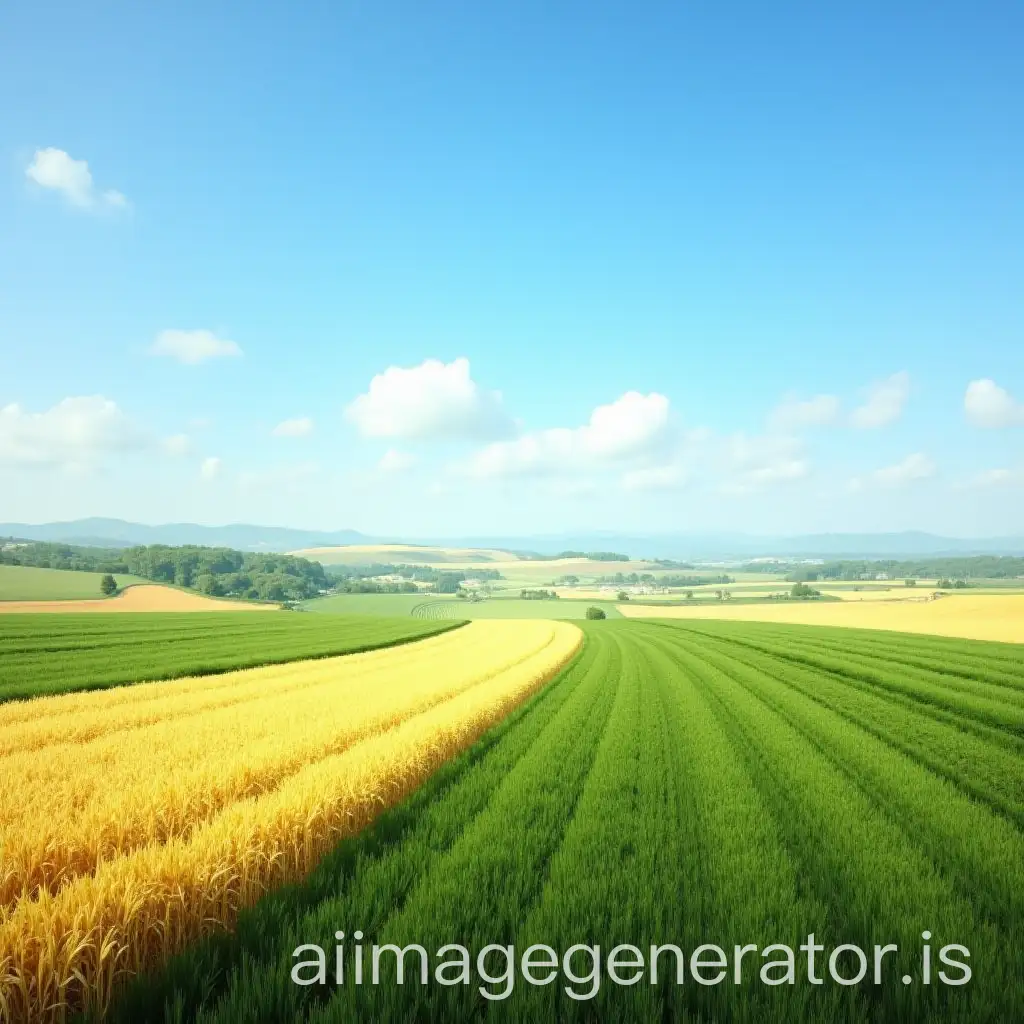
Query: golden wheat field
[(977, 617), (143, 597), (134, 820)]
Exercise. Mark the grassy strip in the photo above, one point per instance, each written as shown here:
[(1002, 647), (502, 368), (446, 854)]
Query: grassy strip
[(48, 654), (920, 687), (978, 762), (856, 856), (962, 837), (997, 663)]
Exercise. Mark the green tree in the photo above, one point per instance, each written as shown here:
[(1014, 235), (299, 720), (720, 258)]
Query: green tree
[(108, 585), (910, 583), (596, 613), (623, 596)]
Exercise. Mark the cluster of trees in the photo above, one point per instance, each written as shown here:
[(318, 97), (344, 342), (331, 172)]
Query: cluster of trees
[(594, 556), (43, 555), (952, 584), (219, 572), (225, 572), (993, 567), (357, 586), (364, 579), (538, 595)]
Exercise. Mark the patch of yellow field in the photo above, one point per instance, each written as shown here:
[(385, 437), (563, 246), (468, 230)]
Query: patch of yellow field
[(132, 821), (409, 554), (148, 597), (978, 617)]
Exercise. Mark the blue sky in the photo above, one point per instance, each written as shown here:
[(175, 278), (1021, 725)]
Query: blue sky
[(589, 265)]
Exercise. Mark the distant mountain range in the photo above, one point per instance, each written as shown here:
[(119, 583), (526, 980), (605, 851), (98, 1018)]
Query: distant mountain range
[(684, 546), (116, 533)]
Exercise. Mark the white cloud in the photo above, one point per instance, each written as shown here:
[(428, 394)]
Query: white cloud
[(654, 478), (394, 461), (177, 445), (793, 413), (917, 466), (54, 169), (633, 426), (301, 426), (884, 404), (988, 405), (756, 462), (1000, 477), (74, 432), (192, 347), (431, 401), (210, 468)]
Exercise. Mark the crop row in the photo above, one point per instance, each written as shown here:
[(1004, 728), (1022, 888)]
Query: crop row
[(137, 836), (674, 786), (45, 654)]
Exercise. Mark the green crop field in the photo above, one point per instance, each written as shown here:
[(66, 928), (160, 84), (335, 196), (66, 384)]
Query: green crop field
[(56, 653), (24, 583), (681, 783), (368, 604), (512, 608)]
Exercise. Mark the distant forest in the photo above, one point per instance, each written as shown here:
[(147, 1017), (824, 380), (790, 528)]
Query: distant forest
[(219, 572), (992, 567), (365, 579)]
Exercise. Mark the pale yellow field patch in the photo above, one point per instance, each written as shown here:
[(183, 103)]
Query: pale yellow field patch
[(148, 597), (407, 554), (978, 617)]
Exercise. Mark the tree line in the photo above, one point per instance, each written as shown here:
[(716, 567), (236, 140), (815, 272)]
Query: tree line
[(993, 567), (219, 572)]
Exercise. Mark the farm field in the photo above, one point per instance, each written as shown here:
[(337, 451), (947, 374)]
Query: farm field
[(368, 604), (512, 608), (680, 783), (142, 597), (518, 571), (41, 654), (136, 819), (409, 554), (981, 617), (26, 583)]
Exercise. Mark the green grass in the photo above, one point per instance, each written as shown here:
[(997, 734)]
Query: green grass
[(367, 604), (60, 652), (512, 608), (422, 606), (25, 583), (682, 783)]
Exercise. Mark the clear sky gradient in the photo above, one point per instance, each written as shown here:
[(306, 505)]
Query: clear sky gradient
[(471, 268)]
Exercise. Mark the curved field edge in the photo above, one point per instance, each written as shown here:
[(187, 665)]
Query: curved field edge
[(139, 596), (46, 655), (35, 583), (649, 769), (66, 951), (988, 618)]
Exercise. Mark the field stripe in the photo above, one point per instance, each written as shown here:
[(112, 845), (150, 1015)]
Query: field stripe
[(918, 689), (152, 901), (430, 898), (845, 843), (961, 837)]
